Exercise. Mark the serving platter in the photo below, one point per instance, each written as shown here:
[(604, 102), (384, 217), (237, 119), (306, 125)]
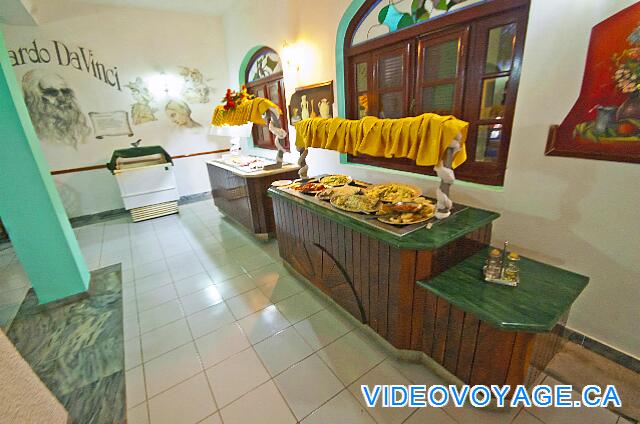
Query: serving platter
[(372, 220), (343, 180)]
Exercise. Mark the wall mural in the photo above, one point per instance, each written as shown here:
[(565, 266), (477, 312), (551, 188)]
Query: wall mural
[(141, 110), (179, 113), (53, 108), (393, 15), (195, 89), (604, 123), (111, 124)]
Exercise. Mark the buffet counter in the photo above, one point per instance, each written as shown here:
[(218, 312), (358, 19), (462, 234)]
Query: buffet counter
[(424, 292), (242, 195)]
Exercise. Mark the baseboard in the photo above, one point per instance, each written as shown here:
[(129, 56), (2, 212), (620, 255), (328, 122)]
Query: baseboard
[(602, 349), (81, 221)]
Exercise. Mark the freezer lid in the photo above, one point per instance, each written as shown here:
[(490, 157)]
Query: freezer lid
[(147, 155)]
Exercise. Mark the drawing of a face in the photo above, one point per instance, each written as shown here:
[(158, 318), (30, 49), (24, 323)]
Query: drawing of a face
[(53, 108), (180, 114)]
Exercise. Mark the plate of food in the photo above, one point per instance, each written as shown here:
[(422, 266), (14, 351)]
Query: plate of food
[(406, 213), (281, 183), (356, 203), (310, 188), (328, 193), (394, 192), (336, 180)]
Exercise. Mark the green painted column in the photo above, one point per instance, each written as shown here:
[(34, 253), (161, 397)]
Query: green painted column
[(30, 206)]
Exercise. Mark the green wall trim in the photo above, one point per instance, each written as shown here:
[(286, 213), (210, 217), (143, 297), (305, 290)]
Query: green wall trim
[(245, 62), (340, 95), (30, 205)]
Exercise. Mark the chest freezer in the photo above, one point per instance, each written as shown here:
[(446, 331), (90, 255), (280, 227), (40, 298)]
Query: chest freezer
[(146, 180)]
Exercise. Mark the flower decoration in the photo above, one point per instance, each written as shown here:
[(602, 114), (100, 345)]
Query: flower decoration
[(233, 99), (627, 64)]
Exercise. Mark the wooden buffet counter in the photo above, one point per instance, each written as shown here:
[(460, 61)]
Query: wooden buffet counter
[(242, 196), (424, 291)]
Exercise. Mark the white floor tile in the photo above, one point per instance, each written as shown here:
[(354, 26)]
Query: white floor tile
[(247, 303), (150, 268), (200, 300), (236, 376), (156, 297), (281, 289), (322, 328), (307, 385), (299, 306), (152, 282), (340, 357), (383, 373), (187, 403), (235, 286), (431, 416), (263, 405), (212, 419), (282, 350), (138, 414), (172, 368), (160, 315), (270, 274), (343, 408), (193, 284), (210, 319), (184, 265), (164, 339), (219, 345), (132, 353), (136, 393), (263, 324)]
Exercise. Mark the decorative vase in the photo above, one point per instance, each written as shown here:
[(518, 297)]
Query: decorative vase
[(630, 108)]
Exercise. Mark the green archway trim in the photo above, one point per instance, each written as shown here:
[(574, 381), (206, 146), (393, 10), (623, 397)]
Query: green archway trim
[(342, 32), (245, 62)]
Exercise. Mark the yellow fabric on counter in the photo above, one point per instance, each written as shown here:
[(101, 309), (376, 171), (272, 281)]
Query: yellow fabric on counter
[(423, 138), (246, 111)]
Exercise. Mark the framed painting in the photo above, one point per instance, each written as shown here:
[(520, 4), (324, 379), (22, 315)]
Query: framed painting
[(312, 101), (604, 123)]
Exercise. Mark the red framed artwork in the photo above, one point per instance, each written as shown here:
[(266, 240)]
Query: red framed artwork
[(604, 123)]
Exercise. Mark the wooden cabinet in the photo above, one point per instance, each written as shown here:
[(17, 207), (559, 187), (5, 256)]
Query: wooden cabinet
[(244, 197)]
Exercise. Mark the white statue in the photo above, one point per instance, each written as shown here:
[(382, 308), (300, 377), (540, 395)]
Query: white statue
[(304, 104)]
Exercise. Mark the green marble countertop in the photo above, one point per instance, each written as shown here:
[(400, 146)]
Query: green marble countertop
[(535, 305), (440, 234)]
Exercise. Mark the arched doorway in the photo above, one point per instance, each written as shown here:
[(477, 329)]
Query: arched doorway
[(263, 77)]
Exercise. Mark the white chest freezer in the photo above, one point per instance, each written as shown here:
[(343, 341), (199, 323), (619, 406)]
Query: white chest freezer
[(146, 181)]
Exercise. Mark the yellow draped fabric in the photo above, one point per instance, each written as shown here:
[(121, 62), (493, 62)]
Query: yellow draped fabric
[(246, 111), (423, 138)]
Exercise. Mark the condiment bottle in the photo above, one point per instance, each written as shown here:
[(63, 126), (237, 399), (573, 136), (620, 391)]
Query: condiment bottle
[(492, 266), (511, 270)]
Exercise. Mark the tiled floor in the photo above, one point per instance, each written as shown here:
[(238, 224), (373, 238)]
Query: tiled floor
[(217, 331)]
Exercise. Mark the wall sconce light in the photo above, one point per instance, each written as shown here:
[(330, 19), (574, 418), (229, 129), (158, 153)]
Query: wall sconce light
[(164, 85), (291, 56)]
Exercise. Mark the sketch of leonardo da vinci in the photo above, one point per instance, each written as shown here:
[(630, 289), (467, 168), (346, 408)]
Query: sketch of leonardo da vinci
[(53, 108)]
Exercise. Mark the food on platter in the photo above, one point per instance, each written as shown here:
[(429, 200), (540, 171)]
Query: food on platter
[(356, 203), (335, 180), (407, 213), (360, 183), (328, 193), (281, 183), (394, 192), (310, 188)]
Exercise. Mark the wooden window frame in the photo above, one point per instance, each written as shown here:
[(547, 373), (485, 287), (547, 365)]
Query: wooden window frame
[(263, 84), (473, 24)]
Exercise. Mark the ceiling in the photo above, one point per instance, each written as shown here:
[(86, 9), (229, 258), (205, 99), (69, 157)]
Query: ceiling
[(202, 7)]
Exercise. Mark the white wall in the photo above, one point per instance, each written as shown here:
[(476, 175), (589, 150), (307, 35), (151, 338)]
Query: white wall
[(140, 43), (579, 214)]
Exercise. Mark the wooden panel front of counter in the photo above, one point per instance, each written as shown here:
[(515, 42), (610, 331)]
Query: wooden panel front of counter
[(245, 199), (376, 283), (373, 281)]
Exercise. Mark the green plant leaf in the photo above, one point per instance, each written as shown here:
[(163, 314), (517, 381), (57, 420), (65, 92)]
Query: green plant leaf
[(405, 21), (382, 15), (422, 15), (416, 5), (440, 4)]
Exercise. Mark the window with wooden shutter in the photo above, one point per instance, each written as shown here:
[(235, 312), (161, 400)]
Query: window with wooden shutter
[(465, 64)]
